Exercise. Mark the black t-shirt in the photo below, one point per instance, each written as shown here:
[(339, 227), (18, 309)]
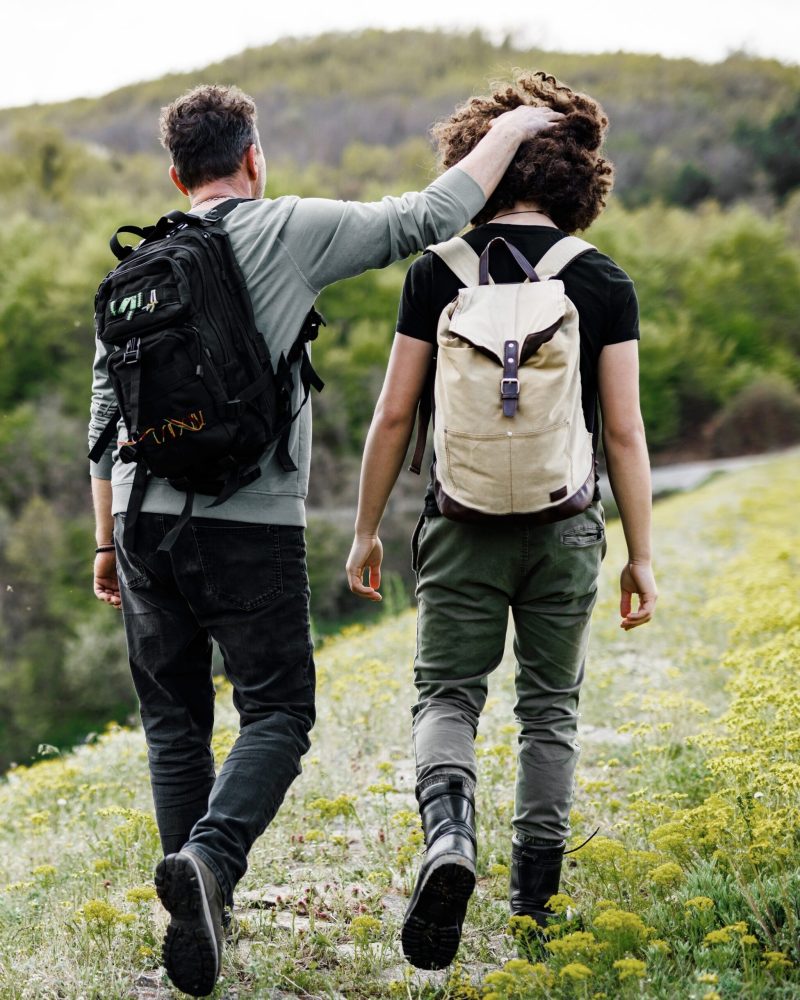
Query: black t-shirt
[(601, 291)]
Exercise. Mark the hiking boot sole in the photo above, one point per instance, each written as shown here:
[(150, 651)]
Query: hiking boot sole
[(435, 915), (190, 951)]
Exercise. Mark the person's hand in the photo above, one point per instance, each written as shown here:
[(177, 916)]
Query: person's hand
[(366, 554), (106, 584), (637, 578), (527, 121)]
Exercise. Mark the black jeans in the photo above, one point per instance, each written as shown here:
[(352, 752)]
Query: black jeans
[(245, 586)]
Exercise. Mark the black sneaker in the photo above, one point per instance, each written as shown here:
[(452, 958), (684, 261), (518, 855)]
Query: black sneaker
[(192, 949)]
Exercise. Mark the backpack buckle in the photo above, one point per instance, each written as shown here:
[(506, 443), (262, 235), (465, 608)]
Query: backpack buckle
[(132, 351), (513, 391)]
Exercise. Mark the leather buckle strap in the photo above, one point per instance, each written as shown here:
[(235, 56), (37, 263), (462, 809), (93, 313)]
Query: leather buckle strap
[(509, 383), (523, 262), (509, 393)]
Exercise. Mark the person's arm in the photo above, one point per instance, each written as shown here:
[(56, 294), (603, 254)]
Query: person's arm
[(106, 584), (104, 404), (384, 451), (628, 466), (330, 240)]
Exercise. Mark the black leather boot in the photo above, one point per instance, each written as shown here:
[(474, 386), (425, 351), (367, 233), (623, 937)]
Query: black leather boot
[(433, 920), (535, 875)]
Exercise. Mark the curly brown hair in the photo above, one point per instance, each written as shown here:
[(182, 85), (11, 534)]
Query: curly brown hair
[(207, 132), (560, 170)]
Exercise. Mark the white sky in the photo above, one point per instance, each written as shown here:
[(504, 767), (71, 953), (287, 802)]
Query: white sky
[(57, 49)]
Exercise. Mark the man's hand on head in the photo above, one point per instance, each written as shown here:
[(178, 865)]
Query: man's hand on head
[(527, 121)]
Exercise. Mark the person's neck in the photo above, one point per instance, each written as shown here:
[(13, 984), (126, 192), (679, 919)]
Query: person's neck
[(219, 190), (524, 215)]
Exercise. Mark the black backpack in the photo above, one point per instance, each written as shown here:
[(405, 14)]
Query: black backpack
[(194, 383)]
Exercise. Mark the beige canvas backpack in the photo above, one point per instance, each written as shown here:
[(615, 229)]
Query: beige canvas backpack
[(509, 431)]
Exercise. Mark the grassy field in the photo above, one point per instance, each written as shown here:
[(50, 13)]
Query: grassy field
[(690, 768)]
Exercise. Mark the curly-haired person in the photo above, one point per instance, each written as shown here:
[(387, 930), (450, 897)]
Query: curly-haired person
[(470, 574)]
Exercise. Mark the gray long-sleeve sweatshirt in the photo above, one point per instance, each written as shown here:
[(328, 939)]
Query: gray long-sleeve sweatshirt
[(289, 249)]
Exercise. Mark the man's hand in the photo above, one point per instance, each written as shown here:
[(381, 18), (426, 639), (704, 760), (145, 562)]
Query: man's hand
[(637, 578), (490, 158), (106, 584), (366, 554), (527, 121)]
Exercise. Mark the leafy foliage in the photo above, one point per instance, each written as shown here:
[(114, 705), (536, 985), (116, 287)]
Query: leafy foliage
[(718, 289), (352, 108)]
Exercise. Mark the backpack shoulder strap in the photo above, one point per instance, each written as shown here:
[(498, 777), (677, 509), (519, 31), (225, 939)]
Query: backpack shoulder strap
[(220, 211), (459, 256), (561, 255)]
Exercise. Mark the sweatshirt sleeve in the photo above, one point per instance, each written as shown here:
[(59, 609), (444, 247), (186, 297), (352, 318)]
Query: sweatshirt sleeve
[(330, 240), (104, 403)]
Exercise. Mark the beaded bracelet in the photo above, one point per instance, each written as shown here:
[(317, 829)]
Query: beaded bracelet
[(104, 548)]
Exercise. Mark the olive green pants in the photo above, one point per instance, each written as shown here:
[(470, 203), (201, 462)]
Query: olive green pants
[(468, 577)]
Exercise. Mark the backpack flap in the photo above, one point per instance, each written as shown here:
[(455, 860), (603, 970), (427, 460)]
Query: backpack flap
[(140, 297), (486, 316)]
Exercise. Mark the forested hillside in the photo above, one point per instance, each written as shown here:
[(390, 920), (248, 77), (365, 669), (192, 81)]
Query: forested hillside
[(346, 116), (682, 130)]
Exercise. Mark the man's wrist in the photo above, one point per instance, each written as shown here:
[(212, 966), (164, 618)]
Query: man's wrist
[(507, 130)]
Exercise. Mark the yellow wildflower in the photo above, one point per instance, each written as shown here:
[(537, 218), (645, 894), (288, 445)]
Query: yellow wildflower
[(560, 904), (628, 968), (576, 970), (44, 872), (667, 875), (701, 903), (141, 894), (774, 960), (381, 788), (99, 913), (365, 929)]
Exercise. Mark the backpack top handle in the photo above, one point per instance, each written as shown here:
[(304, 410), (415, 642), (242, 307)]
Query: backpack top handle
[(483, 268)]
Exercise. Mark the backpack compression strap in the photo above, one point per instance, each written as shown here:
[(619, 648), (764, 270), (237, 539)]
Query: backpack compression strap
[(106, 435), (561, 255)]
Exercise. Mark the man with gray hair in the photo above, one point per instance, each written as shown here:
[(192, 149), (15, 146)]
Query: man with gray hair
[(238, 576)]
